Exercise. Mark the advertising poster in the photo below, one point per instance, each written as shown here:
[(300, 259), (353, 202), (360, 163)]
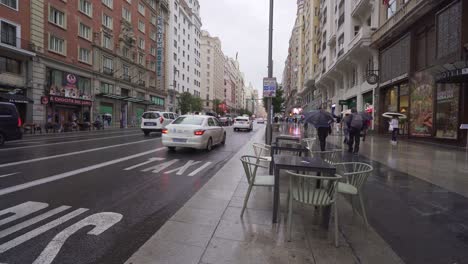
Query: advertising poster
[(422, 105)]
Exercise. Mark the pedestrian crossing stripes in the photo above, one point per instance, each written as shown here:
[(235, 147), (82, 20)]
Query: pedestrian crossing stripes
[(190, 168)]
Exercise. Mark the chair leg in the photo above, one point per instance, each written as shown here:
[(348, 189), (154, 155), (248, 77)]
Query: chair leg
[(353, 204), (336, 223), (363, 210), (246, 199), (290, 212)]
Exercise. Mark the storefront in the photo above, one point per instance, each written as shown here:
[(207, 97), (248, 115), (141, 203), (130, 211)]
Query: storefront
[(68, 99), (18, 98), (395, 99)]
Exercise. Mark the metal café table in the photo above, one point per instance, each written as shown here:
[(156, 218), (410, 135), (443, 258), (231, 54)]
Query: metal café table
[(295, 163), (277, 147), (287, 138)]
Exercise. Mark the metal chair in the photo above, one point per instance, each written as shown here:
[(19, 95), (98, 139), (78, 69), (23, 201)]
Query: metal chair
[(318, 191), (330, 156), (354, 176), (251, 165), (309, 142), (262, 151)]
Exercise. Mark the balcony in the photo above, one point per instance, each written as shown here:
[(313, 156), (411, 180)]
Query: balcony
[(402, 19), (363, 37), (126, 77), (108, 71), (141, 83), (360, 8), (17, 45)]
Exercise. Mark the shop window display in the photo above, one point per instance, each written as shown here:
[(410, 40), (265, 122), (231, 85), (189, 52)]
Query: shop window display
[(422, 105), (447, 111)]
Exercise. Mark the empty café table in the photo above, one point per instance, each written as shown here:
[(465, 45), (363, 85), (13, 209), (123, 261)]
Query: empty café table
[(287, 138), (295, 163), (278, 147)]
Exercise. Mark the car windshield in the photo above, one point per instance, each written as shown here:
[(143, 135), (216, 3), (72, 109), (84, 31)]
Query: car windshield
[(150, 115), (188, 120)]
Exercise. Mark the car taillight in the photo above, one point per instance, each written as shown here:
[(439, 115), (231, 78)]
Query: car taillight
[(20, 123), (164, 131), (161, 120), (199, 132)]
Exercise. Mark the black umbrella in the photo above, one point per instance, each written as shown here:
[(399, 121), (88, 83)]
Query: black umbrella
[(319, 118)]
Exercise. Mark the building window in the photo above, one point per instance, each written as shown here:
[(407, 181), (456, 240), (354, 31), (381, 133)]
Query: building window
[(107, 41), (107, 65), (391, 8), (57, 17), (141, 43), (108, 3), (10, 65), (153, 35), (153, 51), (126, 14), (141, 26), (153, 20), (126, 72), (141, 9), (57, 44), (107, 88), (8, 32), (125, 51), (86, 7), (84, 55), (10, 3), (107, 21), (141, 59), (84, 31)]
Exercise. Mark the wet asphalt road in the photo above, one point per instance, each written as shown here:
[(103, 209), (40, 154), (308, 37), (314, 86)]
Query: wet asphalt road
[(95, 197)]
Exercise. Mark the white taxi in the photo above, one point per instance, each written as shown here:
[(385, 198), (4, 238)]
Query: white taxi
[(193, 131), (242, 122)]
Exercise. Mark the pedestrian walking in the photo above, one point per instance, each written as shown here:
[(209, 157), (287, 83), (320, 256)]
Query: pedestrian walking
[(395, 129), (344, 124), (322, 120), (355, 125)]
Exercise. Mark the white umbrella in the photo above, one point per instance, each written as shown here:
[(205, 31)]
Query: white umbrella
[(392, 114)]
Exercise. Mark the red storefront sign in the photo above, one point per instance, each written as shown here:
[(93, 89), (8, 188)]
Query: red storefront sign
[(67, 100)]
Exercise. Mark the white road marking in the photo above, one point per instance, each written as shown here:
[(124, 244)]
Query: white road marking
[(68, 142), (72, 173), (40, 230), (6, 175), (144, 163), (182, 169), (73, 153), (45, 137), (20, 211), (100, 221), (162, 166), (199, 169), (33, 221)]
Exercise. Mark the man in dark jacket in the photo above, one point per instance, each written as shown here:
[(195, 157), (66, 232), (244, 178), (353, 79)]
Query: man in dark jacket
[(355, 124)]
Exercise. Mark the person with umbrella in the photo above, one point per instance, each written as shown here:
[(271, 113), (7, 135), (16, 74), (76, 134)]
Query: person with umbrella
[(355, 124), (394, 124), (322, 121)]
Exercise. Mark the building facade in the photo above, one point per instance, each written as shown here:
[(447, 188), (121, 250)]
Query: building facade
[(185, 49), (423, 72), (212, 80)]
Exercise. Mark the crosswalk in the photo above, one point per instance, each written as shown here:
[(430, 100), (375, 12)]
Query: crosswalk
[(189, 168), (49, 220)]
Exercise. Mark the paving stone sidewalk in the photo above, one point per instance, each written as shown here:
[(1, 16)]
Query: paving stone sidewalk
[(208, 229)]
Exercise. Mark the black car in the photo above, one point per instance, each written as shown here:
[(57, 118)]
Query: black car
[(10, 123)]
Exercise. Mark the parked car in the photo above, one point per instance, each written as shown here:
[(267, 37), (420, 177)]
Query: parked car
[(242, 122), (193, 131), (260, 120), (154, 121), (10, 123)]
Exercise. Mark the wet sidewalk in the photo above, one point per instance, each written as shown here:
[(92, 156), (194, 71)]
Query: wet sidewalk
[(209, 229)]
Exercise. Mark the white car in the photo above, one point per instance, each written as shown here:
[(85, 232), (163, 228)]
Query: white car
[(260, 120), (242, 122), (154, 121), (193, 131)]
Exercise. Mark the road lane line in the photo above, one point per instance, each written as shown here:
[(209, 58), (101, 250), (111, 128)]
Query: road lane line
[(21, 210), (6, 175), (38, 139), (71, 173), (40, 230), (33, 221), (199, 169), (68, 142), (144, 163), (73, 153)]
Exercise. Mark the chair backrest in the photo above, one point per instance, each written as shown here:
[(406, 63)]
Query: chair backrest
[(332, 157), (311, 189), (251, 165), (261, 150), (355, 173), (309, 142)]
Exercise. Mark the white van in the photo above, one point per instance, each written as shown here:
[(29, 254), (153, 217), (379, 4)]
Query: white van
[(155, 121)]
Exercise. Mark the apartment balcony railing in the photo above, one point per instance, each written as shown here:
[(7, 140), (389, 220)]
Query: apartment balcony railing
[(364, 34), (359, 7), (126, 77), (141, 83), (19, 45), (107, 71)]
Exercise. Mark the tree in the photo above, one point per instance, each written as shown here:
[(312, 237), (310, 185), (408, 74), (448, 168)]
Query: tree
[(216, 108), (245, 112), (277, 101), (196, 104), (185, 103)]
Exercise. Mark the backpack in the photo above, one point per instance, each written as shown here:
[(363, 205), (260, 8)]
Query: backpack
[(357, 122)]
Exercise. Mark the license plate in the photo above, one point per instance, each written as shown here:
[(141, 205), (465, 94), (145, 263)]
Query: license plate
[(179, 140), (241, 122), (150, 124)]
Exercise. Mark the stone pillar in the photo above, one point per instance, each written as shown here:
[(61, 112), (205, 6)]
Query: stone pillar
[(38, 70)]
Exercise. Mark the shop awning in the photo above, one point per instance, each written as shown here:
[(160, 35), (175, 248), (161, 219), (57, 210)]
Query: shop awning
[(126, 98), (456, 72), (15, 98)]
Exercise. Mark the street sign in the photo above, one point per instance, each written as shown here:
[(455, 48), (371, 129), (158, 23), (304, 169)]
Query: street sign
[(464, 126), (372, 78), (269, 87), (343, 102)]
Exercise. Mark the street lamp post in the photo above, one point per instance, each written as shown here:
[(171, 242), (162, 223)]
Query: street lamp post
[(268, 131)]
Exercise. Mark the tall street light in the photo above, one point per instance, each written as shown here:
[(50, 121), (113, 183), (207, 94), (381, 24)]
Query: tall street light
[(268, 136)]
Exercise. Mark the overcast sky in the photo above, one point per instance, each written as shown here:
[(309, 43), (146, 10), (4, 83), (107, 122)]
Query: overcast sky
[(242, 26)]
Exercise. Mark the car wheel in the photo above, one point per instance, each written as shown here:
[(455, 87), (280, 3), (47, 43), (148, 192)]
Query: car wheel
[(146, 133), (224, 140), (171, 148), (209, 145), (235, 129), (2, 139)]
